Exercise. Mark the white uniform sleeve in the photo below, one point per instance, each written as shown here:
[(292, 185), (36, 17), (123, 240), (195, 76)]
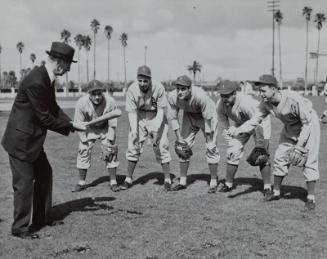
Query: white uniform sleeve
[(112, 124), (162, 97), (172, 111), (131, 100), (80, 117), (261, 113), (305, 114)]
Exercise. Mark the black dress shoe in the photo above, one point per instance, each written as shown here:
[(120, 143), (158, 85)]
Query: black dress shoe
[(26, 235), (178, 187), (55, 223)]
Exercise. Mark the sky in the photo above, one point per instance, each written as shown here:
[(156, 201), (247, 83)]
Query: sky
[(230, 39)]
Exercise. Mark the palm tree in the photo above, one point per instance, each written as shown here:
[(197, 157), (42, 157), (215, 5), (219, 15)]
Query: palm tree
[(320, 18), (95, 25), (194, 68), (87, 46), (123, 39), (107, 31), (278, 15), (65, 36), (33, 58), (20, 46), (79, 43), (306, 11)]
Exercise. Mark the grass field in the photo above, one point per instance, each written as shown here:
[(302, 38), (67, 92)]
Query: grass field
[(146, 222)]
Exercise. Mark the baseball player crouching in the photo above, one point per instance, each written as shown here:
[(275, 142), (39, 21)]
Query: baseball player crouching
[(89, 107), (199, 113), (145, 103), (239, 108), (299, 139)]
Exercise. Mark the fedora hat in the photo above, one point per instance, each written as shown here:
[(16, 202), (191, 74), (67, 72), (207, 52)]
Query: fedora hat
[(62, 51)]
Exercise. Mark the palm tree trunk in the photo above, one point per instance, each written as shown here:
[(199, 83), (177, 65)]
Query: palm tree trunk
[(20, 66), (317, 61), (94, 57), (79, 69), (87, 67), (109, 62), (194, 77), (125, 82), (306, 61), (0, 73), (280, 59)]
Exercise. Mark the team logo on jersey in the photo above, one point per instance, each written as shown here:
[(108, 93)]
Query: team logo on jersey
[(148, 104)]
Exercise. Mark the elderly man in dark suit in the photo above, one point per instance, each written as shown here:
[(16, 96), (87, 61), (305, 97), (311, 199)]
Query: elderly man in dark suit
[(35, 111)]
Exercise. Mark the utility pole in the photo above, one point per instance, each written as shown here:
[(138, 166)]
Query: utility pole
[(145, 52), (273, 6)]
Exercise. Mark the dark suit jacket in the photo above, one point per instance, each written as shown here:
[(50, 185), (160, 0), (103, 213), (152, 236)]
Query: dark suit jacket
[(34, 111)]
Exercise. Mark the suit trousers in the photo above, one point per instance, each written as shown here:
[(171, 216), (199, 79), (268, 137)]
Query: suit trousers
[(32, 184)]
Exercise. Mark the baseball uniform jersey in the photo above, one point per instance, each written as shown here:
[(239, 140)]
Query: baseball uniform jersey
[(146, 105), (199, 112), (85, 111), (301, 127), (243, 110)]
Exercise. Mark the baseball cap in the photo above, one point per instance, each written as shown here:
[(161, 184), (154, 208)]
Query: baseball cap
[(144, 71), (183, 80), (95, 85), (227, 87), (266, 80)]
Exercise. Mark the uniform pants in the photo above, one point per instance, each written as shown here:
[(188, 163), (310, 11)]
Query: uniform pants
[(32, 184)]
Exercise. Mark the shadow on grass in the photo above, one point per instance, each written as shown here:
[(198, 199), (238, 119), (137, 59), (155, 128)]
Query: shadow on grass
[(61, 211), (288, 191), (159, 176), (102, 179)]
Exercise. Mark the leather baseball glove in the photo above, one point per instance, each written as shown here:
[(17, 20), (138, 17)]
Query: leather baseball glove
[(298, 156), (109, 152), (183, 150), (258, 157)]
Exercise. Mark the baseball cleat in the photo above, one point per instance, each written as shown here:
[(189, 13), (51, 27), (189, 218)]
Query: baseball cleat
[(114, 187), (167, 186), (213, 189), (272, 197), (79, 188), (310, 205), (126, 185), (268, 194), (178, 187), (225, 188)]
